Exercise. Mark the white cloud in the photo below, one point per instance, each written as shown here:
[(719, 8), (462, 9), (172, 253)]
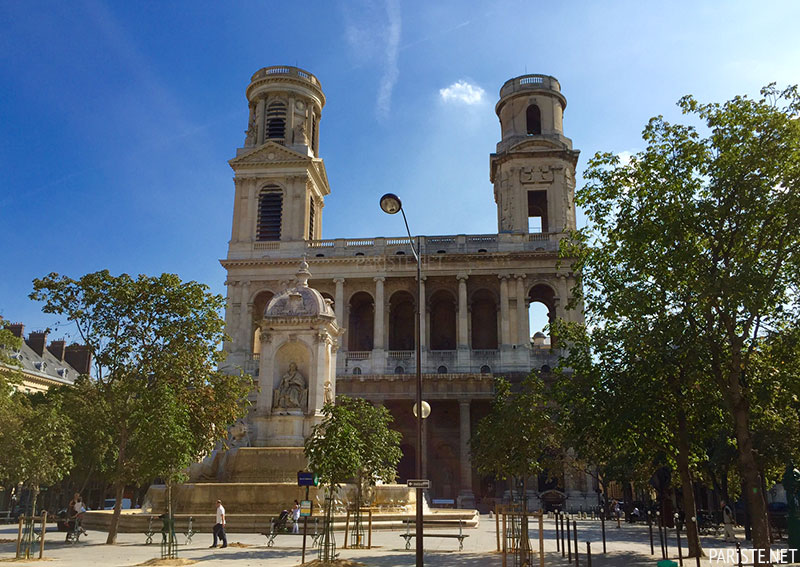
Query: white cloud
[(391, 71), (463, 92)]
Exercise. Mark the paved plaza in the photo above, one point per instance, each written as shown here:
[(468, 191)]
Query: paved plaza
[(627, 546)]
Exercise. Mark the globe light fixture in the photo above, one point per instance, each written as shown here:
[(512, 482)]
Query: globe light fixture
[(391, 204), (426, 409)]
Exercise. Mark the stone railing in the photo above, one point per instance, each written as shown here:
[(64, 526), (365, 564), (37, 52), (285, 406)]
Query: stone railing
[(527, 82), (282, 70), (431, 246)]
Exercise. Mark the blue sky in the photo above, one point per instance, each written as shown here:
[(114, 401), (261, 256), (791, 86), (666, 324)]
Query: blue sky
[(117, 118)]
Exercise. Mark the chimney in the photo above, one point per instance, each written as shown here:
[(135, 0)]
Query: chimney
[(17, 329), (36, 341), (79, 357), (57, 348)]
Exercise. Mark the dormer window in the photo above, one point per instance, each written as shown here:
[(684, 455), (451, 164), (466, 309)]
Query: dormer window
[(40, 365), (533, 118)]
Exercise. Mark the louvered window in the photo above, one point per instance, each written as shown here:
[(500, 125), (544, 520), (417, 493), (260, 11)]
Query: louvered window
[(314, 134), (270, 208), (311, 219), (276, 121)]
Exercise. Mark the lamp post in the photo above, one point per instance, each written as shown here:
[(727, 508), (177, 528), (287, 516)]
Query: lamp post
[(391, 204)]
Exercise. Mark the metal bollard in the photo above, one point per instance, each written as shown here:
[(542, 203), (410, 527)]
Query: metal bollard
[(739, 553), (563, 547), (569, 543), (603, 528), (678, 537), (650, 526), (575, 534), (558, 542), (589, 553)]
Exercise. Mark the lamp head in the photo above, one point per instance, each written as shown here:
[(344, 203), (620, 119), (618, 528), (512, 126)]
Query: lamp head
[(426, 409), (390, 203)]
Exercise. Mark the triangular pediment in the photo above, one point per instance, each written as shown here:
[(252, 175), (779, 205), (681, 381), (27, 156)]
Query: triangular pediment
[(269, 153)]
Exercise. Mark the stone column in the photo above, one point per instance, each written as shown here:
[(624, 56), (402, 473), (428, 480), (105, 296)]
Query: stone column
[(247, 229), (338, 301), (261, 121), (523, 336), (379, 314), (466, 498), (463, 338), (463, 326), (505, 336), (378, 356)]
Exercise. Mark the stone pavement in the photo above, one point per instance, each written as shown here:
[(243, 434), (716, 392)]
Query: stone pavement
[(628, 547)]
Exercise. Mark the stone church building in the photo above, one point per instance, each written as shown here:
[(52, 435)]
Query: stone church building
[(477, 288)]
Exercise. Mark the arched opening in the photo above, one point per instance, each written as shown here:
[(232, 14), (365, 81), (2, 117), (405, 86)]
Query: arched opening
[(443, 321), (356, 371), (270, 210), (541, 314), (406, 467), (276, 121), (537, 212), (361, 322), (399, 370), (441, 370), (533, 118), (484, 320), (485, 369), (260, 302), (401, 321)]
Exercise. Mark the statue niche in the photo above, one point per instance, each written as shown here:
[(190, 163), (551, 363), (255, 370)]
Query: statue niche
[(292, 392)]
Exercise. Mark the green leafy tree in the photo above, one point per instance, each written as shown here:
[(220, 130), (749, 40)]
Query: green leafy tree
[(155, 344), (353, 442), (706, 225), (35, 436), (517, 439)]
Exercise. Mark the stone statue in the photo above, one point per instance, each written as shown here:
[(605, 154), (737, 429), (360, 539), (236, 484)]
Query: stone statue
[(300, 134), (328, 393), (291, 392)]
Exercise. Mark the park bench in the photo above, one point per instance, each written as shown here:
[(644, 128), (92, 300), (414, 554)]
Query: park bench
[(5, 517), (459, 536), (165, 529)]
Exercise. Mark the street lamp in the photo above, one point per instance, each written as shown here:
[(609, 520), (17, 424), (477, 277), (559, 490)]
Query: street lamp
[(391, 204)]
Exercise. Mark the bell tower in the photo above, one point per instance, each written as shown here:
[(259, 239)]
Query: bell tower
[(280, 181), (533, 169)]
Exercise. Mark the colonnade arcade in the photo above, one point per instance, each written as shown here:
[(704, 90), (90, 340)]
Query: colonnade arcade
[(475, 315)]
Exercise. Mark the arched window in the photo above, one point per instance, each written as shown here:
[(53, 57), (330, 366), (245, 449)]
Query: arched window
[(399, 370), (356, 371), (534, 120), (361, 322), (443, 321), (276, 121), (270, 210), (442, 370), (485, 369), (541, 313), (401, 321), (484, 320)]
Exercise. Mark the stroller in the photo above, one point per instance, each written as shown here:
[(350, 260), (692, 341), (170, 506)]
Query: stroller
[(279, 525)]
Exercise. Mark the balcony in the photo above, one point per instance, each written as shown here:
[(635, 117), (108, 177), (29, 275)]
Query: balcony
[(390, 249)]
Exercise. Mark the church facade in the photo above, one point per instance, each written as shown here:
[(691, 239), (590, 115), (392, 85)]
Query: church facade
[(476, 289)]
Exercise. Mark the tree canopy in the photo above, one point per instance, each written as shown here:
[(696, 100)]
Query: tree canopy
[(698, 235), (156, 392)]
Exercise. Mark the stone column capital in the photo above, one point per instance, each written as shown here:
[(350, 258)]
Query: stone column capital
[(503, 277), (379, 279), (462, 277), (463, 403), (520, 277), (338, 280)]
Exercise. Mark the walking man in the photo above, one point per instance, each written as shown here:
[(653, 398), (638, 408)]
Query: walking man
[(728, 520), (219, 527)]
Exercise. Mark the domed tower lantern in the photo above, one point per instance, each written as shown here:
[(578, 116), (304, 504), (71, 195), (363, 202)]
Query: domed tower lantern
[(533, 169)]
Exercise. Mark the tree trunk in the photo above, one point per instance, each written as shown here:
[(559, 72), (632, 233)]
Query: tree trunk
[(748, 468), (689, 505), (114, 527)]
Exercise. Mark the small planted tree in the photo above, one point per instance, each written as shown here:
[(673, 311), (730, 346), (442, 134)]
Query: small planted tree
[(352, 443), (514, 440)]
